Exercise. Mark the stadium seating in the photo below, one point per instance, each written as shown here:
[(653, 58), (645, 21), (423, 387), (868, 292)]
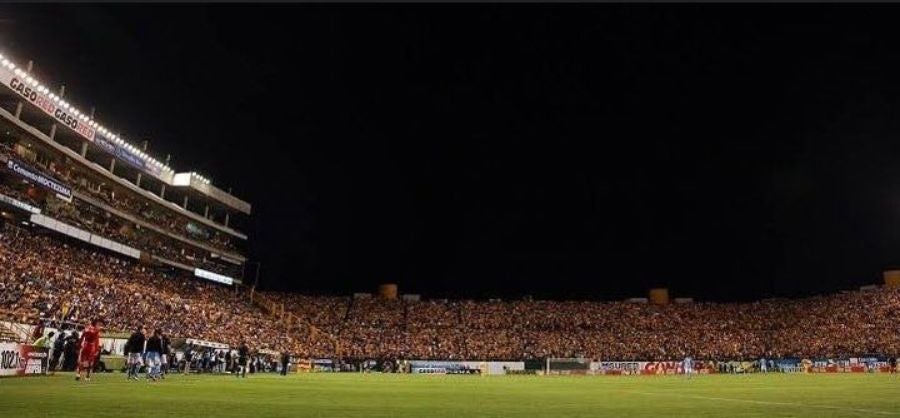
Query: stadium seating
[(46, 276)]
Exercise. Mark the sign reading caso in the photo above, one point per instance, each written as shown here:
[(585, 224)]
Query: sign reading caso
[(43, 102), (24, 170), (80, 126)]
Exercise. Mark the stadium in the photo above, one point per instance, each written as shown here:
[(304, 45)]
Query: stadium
[(127, 288)]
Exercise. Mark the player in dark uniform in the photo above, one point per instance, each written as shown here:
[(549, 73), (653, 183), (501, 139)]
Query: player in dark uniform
[(165, 356), (243, 356), (134, 352), (285, 361)]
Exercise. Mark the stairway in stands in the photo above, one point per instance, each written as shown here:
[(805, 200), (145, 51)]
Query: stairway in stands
[(291, 321), (9, 334)]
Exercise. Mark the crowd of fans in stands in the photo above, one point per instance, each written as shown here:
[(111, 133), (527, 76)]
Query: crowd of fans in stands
[(839, 325), (95, 220), (123, 201), (46, 276)]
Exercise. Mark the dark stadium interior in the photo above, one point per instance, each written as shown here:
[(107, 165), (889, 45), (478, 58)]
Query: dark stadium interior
[(586, 152)]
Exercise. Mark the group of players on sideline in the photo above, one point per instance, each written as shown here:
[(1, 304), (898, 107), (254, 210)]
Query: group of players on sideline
[(155, 354), (152, 352), (44, 276)]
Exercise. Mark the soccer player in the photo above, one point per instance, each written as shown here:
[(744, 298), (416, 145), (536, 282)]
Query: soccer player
[(134, 350), (152, 349), (165, 355), (688, 366), (763, 366), (243, 355), (285, 360), (90, 348)]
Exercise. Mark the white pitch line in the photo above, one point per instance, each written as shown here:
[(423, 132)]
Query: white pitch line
[(753, 401)]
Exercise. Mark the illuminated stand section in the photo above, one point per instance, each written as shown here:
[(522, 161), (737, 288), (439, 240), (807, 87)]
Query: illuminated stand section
[(62, 164)]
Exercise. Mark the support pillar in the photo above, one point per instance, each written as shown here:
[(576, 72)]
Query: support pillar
[(62, 93), (20, 104)]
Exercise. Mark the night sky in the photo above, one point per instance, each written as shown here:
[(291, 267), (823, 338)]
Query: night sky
[(583, 151)]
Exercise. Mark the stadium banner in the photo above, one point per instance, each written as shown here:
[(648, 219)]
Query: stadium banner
[(872, 364), (64, 192), (45, 104), (125, 155), (441, 367), (650, 367), (215, 277), (204, 343), (620, 367), (22, 360), (66, 229), (18, 204), (79, 126), (465, 367)]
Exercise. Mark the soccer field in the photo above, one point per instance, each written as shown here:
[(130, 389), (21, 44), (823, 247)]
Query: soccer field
[(375, 395)]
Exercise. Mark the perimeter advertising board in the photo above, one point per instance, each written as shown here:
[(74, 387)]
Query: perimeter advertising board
[(22, 360)]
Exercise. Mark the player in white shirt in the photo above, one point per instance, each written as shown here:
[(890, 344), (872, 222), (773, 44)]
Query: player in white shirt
[(688, 366)]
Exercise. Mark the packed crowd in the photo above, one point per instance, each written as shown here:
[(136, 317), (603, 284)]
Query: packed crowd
[(44, 276), (95, 220), (838, 325)]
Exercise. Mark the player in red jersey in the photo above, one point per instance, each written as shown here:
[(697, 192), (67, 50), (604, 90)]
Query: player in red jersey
[(90, 347)]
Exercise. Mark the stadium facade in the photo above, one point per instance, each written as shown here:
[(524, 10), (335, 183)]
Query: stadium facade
[(66, 172)]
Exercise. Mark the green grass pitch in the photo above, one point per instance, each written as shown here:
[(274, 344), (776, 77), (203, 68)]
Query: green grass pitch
[(396, 396)]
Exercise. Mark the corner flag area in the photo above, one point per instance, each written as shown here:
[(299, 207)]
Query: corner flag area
[(398, 396)]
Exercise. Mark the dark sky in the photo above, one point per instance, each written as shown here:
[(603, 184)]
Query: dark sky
[(589, 151)]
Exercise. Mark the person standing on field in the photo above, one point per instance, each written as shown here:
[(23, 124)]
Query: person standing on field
[(243, 357), (90, 349), (153, 349), (59, 346), (164, 355), (134, 351), (285, 360)]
